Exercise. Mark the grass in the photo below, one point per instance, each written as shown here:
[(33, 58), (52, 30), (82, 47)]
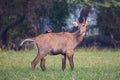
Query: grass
[(90, 64)]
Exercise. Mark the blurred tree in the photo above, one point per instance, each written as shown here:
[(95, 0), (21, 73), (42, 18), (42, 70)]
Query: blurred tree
[(108, 18), (108, 21), (58, 14), (23, 18), (26, 18), (108, 14), (20, 15), (11, 13)]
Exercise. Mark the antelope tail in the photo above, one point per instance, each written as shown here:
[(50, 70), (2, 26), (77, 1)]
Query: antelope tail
[(29, 40)]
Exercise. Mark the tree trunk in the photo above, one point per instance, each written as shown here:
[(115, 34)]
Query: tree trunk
[(4, 34)]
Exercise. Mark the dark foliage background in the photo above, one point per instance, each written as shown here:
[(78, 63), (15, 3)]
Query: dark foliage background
[(20, 19)]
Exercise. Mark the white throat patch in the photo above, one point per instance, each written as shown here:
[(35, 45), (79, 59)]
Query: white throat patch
[(83, 34)]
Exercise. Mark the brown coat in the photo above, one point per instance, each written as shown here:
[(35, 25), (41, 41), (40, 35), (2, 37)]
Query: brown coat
[(57, 43)]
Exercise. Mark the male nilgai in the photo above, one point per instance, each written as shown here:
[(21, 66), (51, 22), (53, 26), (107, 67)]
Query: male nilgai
[(62, 43)]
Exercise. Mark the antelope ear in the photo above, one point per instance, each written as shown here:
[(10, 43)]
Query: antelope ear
[(75, 24)]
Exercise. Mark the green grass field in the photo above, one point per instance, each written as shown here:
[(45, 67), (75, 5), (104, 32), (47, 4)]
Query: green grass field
[(89, 64)]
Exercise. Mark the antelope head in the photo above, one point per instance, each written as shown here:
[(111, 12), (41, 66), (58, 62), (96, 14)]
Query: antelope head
[(81, 26)]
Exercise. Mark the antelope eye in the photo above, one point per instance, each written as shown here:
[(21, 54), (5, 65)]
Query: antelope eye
[(83, 25)]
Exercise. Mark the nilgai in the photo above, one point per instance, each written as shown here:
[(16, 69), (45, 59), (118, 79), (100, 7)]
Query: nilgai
[(62, 43)]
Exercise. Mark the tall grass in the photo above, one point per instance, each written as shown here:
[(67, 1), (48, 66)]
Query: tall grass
[(89, 64)]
